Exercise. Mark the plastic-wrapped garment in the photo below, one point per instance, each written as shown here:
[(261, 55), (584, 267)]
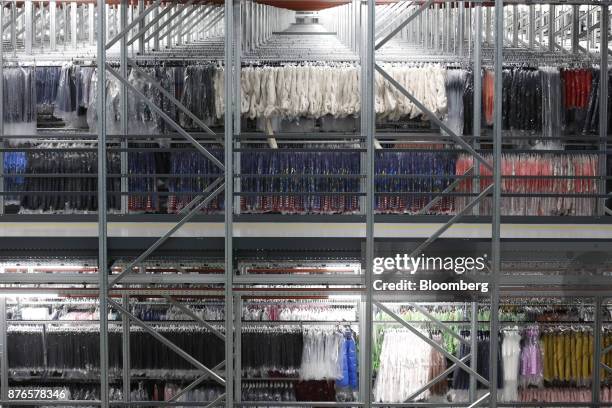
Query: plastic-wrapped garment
[(267, 351), (141, 163), (83, 86), (461, 378), (582, 166), (185, 188), (591, 119), (322, 354), (455, 88), (66, 100), (522, 99), (67, 162), (413, 172), (468, 104), (200, 90), (141, 119), (315, 164), (437, 366), (532, 367), (348, 362), (488, 96), (47, 81), (14, 163), (19, 96), (112, 111), (552, 113), (511, 352), (403, 370)]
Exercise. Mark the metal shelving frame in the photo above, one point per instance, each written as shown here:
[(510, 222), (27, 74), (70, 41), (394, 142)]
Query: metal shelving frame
[(244, 23)]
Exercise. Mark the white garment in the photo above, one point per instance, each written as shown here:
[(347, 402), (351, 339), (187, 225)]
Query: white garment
[(404, 366), (511, 353)]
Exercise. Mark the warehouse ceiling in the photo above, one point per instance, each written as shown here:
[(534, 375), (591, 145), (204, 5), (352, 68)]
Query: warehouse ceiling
[(304, 5)]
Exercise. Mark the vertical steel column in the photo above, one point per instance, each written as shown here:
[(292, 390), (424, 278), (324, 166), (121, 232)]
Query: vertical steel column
[(127, 364), (368, 129), (551, 27), (102, 227), (237, 95), (123, 98), (238, 347), (598, 324), (1, 109), (236, 63), (603, 107), (14, 26), (461, 25), (575, 29), (477, 119), (515, 24), (473, 349), (488, 25), (91, 23), (52, 25), (436, 27), (229, 196), (73, 24), (107, 26), (156, 27), (141, 26), (447, 33), (496, 232), (4, 384), (27, 15), (531, 34)]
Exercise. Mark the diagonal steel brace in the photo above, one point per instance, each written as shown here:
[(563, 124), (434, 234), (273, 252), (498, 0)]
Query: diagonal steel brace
[(432, 343), (165, 117), (178, 23), (170, 19), (197, 19), (453, 220), (448, 189), (188, 357), (195, 383), (175, 228), (480, 400), (397, 15), (215, 18), (150, 24), (437, 378), (434, 118), (133, 24), (400, 27)]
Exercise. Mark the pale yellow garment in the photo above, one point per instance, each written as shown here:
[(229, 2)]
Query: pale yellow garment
[(559, 356), (578, 357), (546, 357), (567, 355), (572, 356), (586, 355)]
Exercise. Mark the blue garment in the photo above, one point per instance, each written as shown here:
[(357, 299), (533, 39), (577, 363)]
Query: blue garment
[(351, 355), (348, 362)]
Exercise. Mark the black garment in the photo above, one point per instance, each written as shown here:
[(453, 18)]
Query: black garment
[(272, 349), (63, 164), (461, 378)]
